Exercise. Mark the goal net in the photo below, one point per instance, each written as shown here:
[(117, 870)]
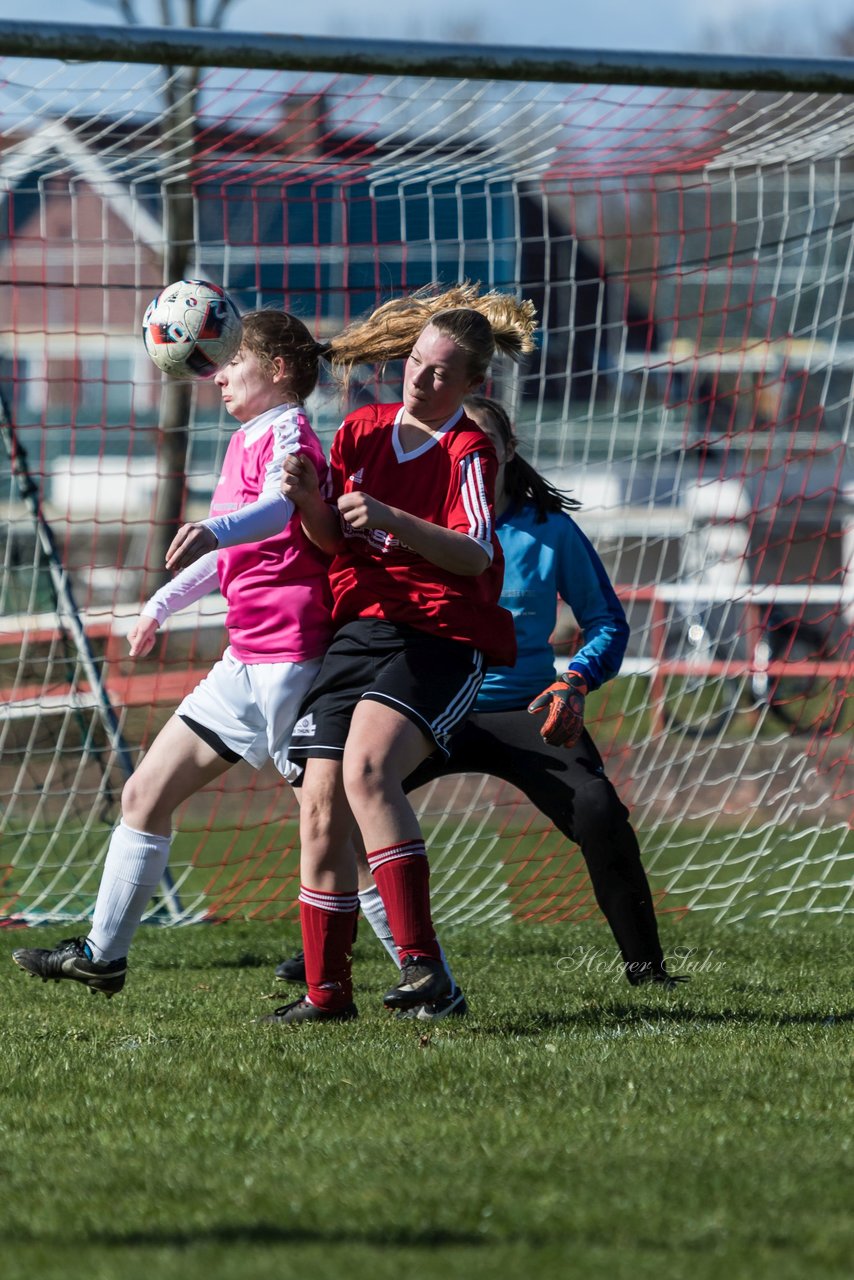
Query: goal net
[(689, 252)]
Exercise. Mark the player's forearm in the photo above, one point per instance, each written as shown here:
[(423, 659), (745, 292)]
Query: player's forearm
[(446, 548), (184, 589), (602, 652), (255, 522), (322, 524)]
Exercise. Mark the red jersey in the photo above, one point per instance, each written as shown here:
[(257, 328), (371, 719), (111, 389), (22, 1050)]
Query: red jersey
[(448, 481)]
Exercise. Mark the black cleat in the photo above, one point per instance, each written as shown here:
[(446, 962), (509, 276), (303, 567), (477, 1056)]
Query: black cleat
[(647, 974), (422, 981), (292, 970), (450, 1006), (71, 960), (302, 1011)]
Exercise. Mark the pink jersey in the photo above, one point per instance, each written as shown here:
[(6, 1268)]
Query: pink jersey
[(277, 590)]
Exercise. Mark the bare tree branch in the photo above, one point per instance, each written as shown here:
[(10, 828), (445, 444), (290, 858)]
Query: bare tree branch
[(220, 9), (125, 8), (127, 11)]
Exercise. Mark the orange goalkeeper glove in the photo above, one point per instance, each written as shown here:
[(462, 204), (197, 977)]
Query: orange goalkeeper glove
[(564, 701)]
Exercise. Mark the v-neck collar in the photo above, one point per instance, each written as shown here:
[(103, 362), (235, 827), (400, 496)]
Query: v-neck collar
[(403, 455)]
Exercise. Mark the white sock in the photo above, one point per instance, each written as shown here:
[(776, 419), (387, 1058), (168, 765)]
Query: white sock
[(447, 966), (375, 913), (134, 866)]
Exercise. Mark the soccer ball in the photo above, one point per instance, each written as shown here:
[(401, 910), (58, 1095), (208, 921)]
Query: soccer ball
[(191, 329)]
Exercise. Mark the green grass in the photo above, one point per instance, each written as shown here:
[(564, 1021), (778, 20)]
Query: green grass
[(623, 711), (570, 1126)]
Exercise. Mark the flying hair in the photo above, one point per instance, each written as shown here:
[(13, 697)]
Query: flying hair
[(391, 331), (479, 323)]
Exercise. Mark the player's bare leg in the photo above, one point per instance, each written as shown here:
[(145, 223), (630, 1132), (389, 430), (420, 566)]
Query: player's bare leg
[(178, 765)]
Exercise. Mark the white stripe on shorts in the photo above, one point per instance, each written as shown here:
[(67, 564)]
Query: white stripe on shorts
[(462, 704)]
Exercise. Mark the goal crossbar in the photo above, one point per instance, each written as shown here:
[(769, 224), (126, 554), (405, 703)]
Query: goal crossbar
[(308, 53)]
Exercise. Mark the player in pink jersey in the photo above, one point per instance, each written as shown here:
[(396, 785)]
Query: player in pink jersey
[(279, 625), (416, 575)]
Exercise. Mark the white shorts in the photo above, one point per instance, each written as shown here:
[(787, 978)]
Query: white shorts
[(252, 707)]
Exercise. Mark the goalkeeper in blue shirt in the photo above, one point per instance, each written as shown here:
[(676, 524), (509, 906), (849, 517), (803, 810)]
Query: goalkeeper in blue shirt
[(527, 726)]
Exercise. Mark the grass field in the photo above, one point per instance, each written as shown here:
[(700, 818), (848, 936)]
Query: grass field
[(569, 1126)]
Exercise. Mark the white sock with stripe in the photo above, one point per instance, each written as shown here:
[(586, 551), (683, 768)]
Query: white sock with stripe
[(373, 909)]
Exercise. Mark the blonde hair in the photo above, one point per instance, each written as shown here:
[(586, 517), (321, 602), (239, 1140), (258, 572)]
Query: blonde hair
[(478, 323)]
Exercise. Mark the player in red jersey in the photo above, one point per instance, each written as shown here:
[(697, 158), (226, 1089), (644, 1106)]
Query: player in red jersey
[(416, 577)]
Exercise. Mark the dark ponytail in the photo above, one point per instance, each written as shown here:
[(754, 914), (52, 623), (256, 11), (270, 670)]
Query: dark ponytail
[(522, 482)]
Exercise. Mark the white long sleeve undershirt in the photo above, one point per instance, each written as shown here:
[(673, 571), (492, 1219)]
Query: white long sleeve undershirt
[(264, 518), (185, 588), (253, 523)]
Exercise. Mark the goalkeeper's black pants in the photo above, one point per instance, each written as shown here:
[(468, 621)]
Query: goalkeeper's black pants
[(570, 787)]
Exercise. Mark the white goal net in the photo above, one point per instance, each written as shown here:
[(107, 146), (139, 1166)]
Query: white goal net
[(689, 252)]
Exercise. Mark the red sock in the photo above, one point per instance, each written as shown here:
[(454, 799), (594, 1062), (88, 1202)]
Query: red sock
[(327, 935), (402, 873)]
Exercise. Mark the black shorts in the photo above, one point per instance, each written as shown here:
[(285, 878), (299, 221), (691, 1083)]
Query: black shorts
[(430, 680)]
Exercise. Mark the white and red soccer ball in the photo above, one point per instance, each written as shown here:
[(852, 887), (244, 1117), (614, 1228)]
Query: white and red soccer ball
[(191, 329)]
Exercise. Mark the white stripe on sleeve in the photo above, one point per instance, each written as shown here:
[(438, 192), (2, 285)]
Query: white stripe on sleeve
[(286, 440), (476, 503)]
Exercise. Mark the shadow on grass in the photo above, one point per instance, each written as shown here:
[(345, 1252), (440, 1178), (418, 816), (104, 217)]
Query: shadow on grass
[(242, 960), (635, 1015), (267, 1233), (247, 960)]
